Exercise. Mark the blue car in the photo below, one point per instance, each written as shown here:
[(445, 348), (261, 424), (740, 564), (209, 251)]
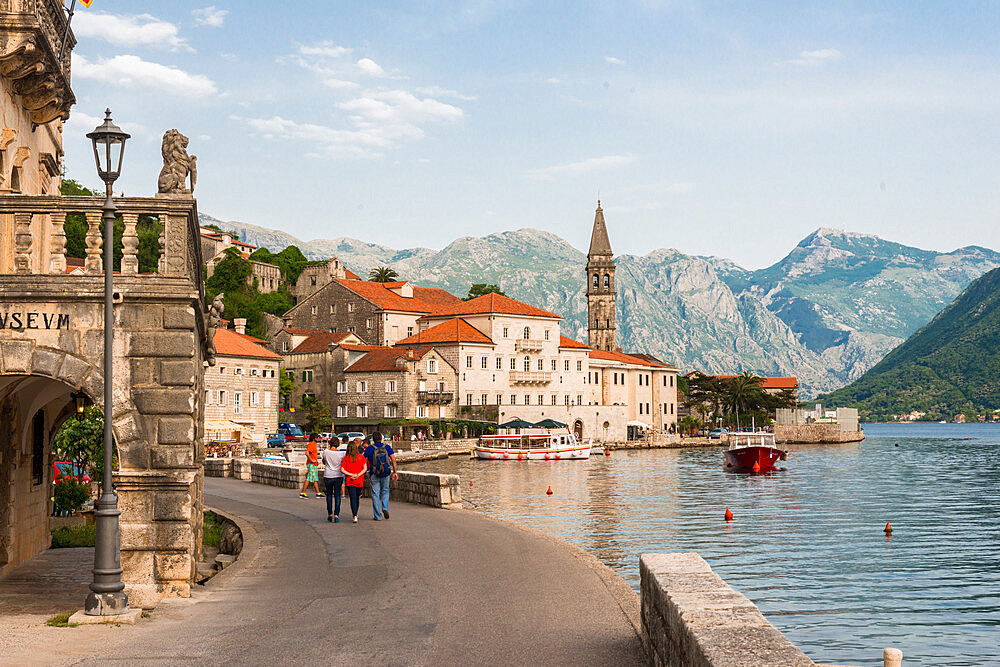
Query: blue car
[(275, 440)]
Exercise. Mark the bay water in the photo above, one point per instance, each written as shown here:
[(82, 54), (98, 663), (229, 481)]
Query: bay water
[(807, 542)]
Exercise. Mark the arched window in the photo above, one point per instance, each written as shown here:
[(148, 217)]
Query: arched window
[(527, 364), (527, 333), (596, 280), (607, 281)]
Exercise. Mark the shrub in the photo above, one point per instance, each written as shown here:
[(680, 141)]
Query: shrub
[(66, 537), (212, 536), (70, 495)]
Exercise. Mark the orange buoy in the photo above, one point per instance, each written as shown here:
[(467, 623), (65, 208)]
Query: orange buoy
[(756, 467), (470, 483), (888, 528), (549, 492), (729, 515), (607, 452)]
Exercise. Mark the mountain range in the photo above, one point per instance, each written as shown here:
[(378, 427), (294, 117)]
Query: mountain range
[(949, 366), (826, 313)]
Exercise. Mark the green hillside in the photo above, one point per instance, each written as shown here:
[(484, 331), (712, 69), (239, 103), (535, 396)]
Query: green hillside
[(950, 366)]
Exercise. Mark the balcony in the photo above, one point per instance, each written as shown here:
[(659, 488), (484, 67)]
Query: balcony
[(37, 242), (528, 345), (435, 397), (29, 56), (529, 377)]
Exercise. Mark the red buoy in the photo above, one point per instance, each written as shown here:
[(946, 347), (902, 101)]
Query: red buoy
[(729, 515), (607, 452), (549, 492), (888, 528), (756, 466)]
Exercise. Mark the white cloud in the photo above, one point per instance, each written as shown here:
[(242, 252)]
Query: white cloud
[(375, 123), (324, 49), (614, 61), (340, 84), (582, 167), (817, 57), (230, 57), (370, 67), (129, 30), (129, 70), (680, 188), (553, 79), (210, 16), (438, 91)]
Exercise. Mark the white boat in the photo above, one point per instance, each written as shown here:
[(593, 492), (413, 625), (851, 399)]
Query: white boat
[(534, 447)]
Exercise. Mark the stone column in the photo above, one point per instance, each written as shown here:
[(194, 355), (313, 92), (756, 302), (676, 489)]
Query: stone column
[(22, 243), (173, 245), (130, 245), (57, 252), (93, 263)]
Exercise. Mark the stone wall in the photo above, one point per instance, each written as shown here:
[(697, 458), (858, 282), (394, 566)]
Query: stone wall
[(690, 616), (815, 433)]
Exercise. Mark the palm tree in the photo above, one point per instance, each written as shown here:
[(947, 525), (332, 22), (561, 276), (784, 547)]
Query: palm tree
[(382, 274), (744, 394)]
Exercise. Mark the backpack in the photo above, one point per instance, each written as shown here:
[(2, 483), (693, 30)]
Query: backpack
[(380, 461)]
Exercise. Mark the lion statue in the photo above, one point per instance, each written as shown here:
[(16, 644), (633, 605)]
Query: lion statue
[(177, 164)]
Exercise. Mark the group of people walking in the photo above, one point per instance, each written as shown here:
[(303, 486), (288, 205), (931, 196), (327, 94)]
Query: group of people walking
[(344, 466)]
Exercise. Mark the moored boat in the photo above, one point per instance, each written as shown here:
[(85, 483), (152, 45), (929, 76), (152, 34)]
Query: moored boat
[(534, 447), (752, 451)]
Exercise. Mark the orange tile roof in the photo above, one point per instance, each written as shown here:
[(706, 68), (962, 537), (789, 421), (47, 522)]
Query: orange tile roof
[(358, 348), (319, 342), (351, 275), (424, 299), (231, 344), (569, 342), (493, 303), (623, 358), (384, 359), (452, 331), (769, 382)]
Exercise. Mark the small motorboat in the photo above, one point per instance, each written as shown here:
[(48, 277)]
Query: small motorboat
[(535, 447), (752, 451)]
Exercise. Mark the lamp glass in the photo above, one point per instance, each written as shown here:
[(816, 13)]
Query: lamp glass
[(109, 148)]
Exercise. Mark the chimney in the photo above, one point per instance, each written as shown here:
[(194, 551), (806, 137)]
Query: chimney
[(240, 324)]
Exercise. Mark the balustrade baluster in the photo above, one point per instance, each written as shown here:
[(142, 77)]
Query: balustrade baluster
[(93, 263), (22, 243), (130, 244), (57, 260)]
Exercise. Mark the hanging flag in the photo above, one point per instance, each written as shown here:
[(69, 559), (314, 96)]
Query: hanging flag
[(86, 3)]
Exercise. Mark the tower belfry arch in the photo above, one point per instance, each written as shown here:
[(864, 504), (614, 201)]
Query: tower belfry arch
[(601, 325)]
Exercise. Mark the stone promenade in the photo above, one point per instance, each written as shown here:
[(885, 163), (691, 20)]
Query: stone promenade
[(427, 587)]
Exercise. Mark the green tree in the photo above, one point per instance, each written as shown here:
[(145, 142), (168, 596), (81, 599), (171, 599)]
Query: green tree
[(286, 387), (689, 424), (479, 289), (744, 394), (382, 274), (317, 414), (81, 441), (290, 260)]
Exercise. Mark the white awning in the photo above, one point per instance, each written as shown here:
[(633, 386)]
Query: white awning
[(222, 425), (636, 422)]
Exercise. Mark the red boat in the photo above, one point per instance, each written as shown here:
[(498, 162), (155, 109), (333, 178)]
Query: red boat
[(753, 451)]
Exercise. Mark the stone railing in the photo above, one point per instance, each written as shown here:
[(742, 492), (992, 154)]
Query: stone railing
[(38, 240), (435, 397), (530, 377), (30, 56), (690, 616), (527, 345)]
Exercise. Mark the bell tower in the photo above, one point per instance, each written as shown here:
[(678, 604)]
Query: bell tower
[(600, 287)]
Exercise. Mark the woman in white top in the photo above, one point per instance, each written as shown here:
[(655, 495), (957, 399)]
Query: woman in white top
[(333, 478)]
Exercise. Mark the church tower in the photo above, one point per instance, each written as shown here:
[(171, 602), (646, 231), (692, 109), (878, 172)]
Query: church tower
[(600, 287)]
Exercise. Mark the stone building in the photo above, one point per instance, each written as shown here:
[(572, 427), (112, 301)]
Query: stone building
[(317, 275), (267, 277), (241, 390), (289, 338), (378, 313), (600, 287), (51, 330)]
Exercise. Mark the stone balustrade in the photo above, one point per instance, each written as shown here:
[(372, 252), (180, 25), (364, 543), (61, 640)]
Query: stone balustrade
[(36, 243), (690, 616), (282, 475)]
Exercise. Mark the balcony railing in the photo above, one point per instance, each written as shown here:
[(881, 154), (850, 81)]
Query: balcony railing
[(33, 236), (435, 397), (528, 345), (530, 377)]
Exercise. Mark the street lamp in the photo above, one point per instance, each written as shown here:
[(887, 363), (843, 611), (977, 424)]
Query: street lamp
[(80, 404), (107, 596)]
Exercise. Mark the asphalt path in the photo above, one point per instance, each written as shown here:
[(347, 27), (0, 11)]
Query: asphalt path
[(427, 587)]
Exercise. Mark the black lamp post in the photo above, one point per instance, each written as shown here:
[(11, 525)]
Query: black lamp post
[(107, 596)]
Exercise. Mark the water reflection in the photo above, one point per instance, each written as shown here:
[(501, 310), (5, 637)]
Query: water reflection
[(807, 543)]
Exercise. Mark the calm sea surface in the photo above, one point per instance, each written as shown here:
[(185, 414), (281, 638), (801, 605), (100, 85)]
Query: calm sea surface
[(807, 544)]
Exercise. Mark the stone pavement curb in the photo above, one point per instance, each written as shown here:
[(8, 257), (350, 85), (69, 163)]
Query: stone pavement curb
[(248, 554)]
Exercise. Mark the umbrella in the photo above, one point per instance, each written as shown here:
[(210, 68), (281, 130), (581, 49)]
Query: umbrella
[(517, 423), (550, 423)]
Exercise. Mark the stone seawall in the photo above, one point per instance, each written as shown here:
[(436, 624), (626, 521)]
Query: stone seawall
[(814, 433), (690, 616), (421, 488)]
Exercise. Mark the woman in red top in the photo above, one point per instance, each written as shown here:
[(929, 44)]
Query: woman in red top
[(354, 468)]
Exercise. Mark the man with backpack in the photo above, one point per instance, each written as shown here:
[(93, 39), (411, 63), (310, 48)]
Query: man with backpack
[(381, 468)]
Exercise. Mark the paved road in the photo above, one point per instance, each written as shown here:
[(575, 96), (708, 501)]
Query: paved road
[(428, 587)]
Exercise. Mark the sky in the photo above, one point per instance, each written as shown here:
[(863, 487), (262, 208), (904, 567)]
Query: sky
[(717, 128)]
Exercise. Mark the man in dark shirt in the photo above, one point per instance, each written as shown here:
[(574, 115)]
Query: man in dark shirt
[(381, 467)]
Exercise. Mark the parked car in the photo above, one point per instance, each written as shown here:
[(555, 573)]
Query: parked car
[(325, 437), (351, 435), (62, 469), (275, 440), (292, 432), (716, 434)]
